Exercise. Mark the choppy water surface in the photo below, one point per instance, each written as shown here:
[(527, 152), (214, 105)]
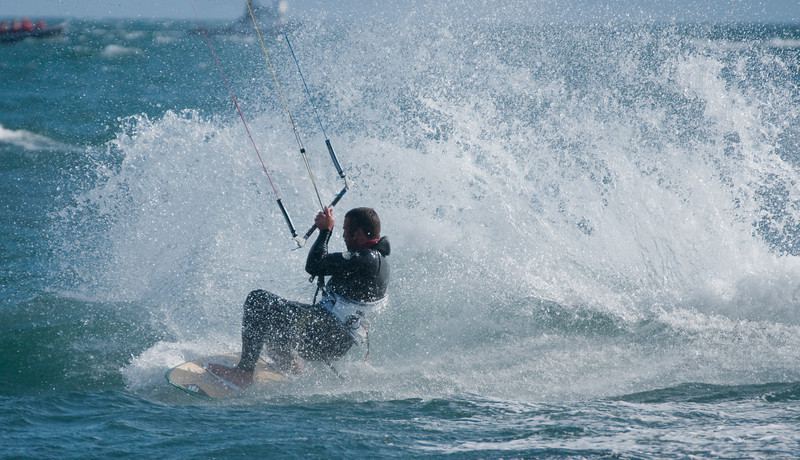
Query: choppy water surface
[(595, 236)]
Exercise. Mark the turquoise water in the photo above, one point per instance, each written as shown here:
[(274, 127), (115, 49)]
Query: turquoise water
[(595, 236)]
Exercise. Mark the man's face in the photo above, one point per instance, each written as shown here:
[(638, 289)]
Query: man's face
[(353, 238)]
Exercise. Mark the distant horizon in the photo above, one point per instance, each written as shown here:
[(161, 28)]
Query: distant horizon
[(774, 12), (67, 19)]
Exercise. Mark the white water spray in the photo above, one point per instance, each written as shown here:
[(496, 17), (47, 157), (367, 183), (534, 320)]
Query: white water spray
[(573, 212)]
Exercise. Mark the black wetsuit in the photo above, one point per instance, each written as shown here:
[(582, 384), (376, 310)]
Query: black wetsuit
[(311, 330), (359, 275)]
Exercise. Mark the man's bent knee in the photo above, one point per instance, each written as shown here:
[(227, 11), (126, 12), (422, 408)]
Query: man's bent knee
[(260, 300)]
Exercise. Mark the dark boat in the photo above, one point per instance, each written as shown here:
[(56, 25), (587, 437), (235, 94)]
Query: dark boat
[(27, 30)]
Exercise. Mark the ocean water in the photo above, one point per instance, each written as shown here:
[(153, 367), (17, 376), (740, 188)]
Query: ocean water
[(595, 229)]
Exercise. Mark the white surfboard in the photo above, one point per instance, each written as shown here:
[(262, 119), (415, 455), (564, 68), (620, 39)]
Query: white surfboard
[(194, 378)]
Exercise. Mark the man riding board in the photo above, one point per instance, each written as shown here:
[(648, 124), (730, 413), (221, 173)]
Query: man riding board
[(325, 330)]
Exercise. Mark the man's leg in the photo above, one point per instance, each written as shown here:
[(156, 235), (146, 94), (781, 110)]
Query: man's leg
[(271, 320), (322, 337)]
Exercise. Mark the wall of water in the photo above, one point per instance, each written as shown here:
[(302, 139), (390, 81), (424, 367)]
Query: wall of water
[(573, 211)]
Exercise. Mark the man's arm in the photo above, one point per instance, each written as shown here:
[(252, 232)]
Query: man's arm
[(319, 262)]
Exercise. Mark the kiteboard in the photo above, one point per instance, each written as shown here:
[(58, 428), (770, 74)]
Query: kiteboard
[(194, 377)]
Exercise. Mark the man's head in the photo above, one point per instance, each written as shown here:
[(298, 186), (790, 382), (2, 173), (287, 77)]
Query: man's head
[(362, 228)]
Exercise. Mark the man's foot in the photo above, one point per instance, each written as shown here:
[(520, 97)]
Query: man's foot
[(240, 377)]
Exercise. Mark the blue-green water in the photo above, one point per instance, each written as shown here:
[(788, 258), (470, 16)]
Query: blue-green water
[(595, 236)]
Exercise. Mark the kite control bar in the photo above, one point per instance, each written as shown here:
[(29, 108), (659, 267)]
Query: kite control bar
[(302, 241)]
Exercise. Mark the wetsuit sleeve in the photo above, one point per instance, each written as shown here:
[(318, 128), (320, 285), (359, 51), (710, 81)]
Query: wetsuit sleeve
[(320, 263)]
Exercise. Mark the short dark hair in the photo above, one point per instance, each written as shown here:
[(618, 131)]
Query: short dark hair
[(366, 219)]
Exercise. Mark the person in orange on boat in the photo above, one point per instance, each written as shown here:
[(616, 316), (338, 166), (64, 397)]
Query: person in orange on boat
[(27, 25), (40, 25), (16, 26), (3, 27)]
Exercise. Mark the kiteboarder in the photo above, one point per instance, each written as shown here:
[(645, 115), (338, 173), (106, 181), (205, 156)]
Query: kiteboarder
[(326, 330)]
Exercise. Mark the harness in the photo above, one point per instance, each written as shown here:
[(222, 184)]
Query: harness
[(351, 314)]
